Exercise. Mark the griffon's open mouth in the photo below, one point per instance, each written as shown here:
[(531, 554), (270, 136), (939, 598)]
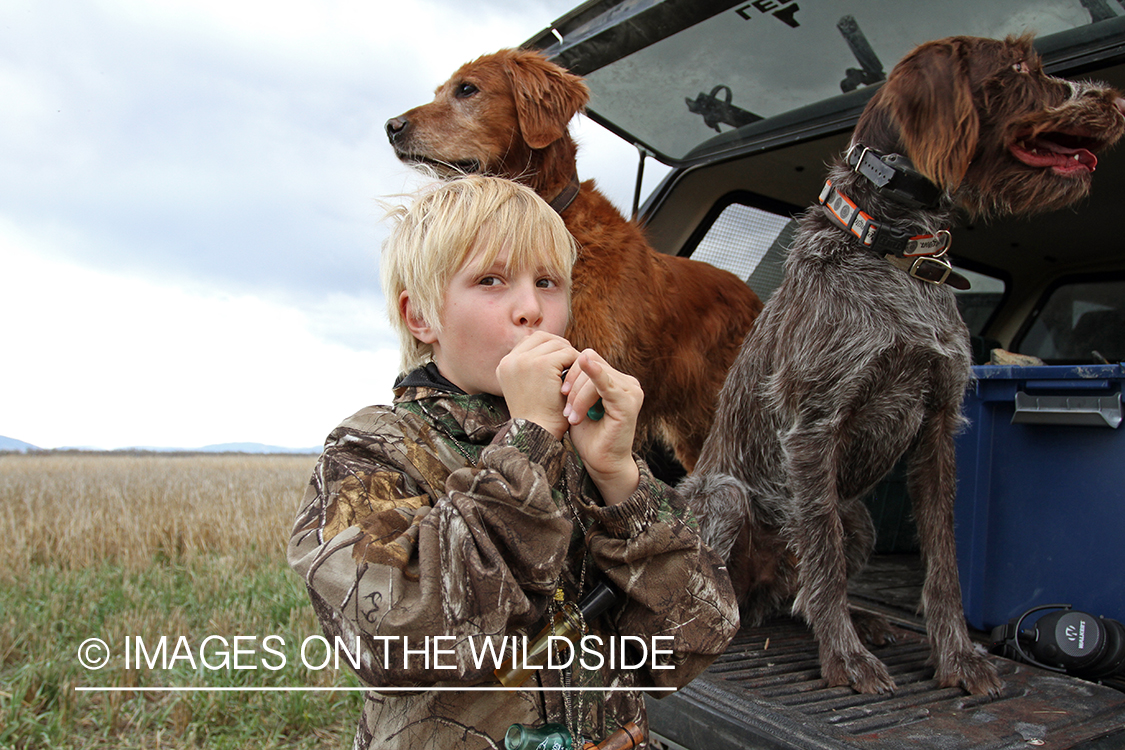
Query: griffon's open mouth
[(1065, 153)]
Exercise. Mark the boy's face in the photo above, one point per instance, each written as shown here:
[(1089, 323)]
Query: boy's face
[(488, 311)]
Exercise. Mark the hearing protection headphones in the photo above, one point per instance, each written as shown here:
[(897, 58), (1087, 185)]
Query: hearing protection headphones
[(1069, 641)]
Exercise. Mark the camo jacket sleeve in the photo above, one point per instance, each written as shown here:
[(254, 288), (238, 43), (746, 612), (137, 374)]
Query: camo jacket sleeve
[(398, 539), (649, 547)]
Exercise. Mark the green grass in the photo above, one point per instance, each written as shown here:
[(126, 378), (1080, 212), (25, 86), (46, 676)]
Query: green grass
[(51, 611), (49, 605)]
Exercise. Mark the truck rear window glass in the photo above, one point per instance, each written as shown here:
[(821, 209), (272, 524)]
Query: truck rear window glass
[(1080, 322), (979, 301)]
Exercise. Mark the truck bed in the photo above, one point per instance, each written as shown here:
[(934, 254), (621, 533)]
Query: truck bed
[(766, 692)]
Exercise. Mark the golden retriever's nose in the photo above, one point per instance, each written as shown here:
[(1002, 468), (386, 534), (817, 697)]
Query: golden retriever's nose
[(396, 126)]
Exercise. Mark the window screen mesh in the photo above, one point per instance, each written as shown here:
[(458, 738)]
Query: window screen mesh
[(750, 243)]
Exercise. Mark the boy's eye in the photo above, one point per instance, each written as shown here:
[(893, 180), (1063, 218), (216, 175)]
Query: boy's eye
[(546, 283), (489, 281)]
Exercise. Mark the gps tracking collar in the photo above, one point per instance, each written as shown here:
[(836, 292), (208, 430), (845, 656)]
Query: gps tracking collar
[(895, 177)]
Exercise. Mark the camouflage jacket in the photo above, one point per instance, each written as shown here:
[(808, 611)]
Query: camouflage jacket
[(434, 528)]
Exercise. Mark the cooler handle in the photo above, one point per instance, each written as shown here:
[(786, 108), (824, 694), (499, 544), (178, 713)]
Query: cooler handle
[(1083, 411)]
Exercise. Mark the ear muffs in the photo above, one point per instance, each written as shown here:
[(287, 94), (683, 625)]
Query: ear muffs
[(1066, 640)]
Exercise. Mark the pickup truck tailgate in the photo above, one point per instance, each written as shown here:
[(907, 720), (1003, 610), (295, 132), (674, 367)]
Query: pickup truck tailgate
[(766, 692)]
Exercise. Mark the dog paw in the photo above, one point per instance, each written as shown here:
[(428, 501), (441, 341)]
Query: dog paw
[(861, 670), (872, 628), (970, 671)]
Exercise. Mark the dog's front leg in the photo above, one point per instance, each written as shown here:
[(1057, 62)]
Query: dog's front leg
[(932, 483), (817, 531)]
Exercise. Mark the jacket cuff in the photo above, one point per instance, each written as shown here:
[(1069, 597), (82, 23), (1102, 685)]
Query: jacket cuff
[(628, 519), (539, 445)]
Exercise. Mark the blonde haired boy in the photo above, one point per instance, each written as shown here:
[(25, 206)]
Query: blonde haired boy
[(434, 235), (484, 498)]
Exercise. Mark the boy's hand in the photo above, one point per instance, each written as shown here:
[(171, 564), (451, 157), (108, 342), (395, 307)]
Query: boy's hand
[(530, 375), (605, 445)]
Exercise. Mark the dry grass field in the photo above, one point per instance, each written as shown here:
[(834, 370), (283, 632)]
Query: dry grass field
[(74, 510), (150, 545)]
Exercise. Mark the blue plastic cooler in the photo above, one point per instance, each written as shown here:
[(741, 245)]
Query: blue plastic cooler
[(1041, 492)]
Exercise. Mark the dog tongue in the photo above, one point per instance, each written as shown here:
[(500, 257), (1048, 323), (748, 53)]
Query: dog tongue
[(1047, 153)]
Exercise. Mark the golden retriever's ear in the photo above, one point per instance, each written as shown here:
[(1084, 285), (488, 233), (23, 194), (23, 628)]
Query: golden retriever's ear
[(546, 95), (931, 101)]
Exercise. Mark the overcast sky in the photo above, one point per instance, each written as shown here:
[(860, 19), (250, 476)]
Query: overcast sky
[(189, 226)]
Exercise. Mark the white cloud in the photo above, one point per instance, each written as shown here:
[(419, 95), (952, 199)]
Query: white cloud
[(107, 361)]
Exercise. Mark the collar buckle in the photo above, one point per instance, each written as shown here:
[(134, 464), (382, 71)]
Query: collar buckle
[(933, 269), (859, 160)]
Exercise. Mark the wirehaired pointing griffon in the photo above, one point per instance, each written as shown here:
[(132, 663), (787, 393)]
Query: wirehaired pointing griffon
[(860, 356), (673, 323)]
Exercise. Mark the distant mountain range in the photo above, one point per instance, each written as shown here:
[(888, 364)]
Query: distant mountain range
[(19, 446), (11, 444)]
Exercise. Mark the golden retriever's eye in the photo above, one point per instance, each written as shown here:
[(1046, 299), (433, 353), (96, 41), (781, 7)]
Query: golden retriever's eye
[(465, 90), (1021, 67)]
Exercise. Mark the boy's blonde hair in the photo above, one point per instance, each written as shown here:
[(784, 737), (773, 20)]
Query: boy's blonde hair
[(433, 236)]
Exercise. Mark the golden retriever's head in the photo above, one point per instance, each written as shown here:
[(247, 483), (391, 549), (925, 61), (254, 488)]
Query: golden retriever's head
[(496, 114)]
